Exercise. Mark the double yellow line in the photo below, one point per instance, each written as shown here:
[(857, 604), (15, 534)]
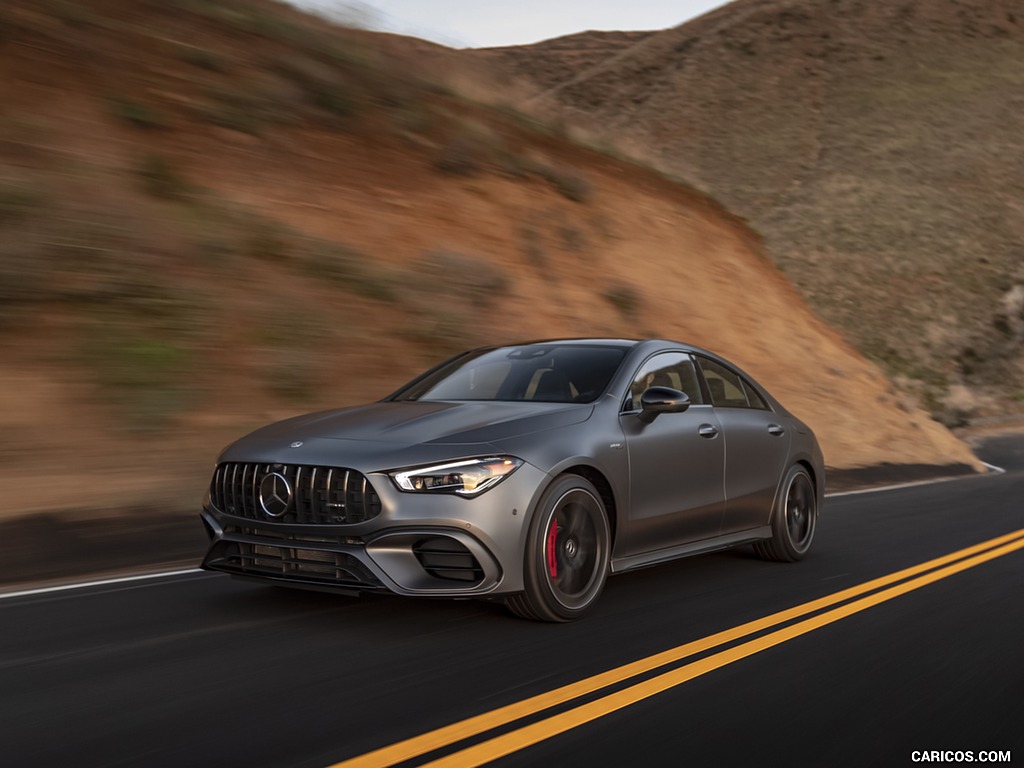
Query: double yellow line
[(869, 593)]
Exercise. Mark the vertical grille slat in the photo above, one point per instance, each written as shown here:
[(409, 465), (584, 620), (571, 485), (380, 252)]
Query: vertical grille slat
[(224, 485), (362, 499), (244, 486), (249, 498), (327, 496), (298, 494), (320, 495), (234, 486), (314, 501)]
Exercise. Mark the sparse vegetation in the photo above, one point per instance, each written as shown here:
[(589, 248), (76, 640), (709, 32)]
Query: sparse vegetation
[(458, 276), (324, 86), (573, 238), (142, 375), (160, 179), (267, 239), (293, 376), (245, 107), (71, 13), (202, 58), (137, 114), (289, 338), (18, 202), (624, 298), (352, 271), (438, 333), (533, 246), (569, 183), (460, 156)]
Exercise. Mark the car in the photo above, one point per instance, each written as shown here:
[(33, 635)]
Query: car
[(526, 473)]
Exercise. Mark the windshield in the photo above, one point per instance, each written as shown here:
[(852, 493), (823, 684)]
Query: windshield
[(545, 373)]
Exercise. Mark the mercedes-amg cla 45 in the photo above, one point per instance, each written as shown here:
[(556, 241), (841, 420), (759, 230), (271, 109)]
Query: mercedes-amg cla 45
[(527, 473)]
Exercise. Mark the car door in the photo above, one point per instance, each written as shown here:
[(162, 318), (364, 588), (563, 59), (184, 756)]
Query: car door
[(675, 462), (756, 447)]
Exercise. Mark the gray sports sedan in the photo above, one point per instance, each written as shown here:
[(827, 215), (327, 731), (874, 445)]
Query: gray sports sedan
[(526, 472)]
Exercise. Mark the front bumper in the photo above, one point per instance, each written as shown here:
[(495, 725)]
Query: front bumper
[(419, 544)]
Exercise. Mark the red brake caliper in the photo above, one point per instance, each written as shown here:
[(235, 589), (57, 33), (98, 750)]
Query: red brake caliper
[(552, 560)]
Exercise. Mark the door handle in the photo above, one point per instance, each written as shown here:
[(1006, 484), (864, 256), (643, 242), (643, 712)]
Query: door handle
[(775, 429), (707, 430)]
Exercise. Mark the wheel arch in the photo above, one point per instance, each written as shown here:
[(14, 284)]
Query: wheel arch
[(817, 481), (604, 487)]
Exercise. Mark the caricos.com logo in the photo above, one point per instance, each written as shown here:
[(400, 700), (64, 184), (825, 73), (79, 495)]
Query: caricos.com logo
[(959, 756)]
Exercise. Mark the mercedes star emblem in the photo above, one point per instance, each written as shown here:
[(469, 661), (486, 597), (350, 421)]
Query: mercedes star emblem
[(275, 494)]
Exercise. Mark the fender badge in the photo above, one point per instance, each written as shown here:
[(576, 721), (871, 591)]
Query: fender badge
[(297, 444)]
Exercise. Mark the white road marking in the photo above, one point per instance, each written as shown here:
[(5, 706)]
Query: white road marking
[(993, 470), (100, 583)]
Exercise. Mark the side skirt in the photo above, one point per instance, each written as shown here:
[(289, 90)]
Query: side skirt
[(622, 564)]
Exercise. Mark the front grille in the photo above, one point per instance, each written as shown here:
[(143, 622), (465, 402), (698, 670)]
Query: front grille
[(306, 565), (445, 558), (315, 495)]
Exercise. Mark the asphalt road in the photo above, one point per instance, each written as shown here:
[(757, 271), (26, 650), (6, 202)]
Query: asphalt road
[(198, 669)]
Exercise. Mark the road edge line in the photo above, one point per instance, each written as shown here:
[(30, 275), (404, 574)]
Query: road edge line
[(98, 583)]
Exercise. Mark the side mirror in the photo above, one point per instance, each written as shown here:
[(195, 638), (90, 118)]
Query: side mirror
[(657, 400)]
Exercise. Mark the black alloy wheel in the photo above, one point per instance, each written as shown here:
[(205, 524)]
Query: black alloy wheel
[(567, 553), (794, 521)]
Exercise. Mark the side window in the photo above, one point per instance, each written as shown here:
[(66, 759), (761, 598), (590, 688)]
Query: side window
[(756, 401), (668, 369), (728, 389)]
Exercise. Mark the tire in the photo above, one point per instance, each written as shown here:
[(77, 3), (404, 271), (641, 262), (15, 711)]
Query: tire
[(568, 548), (794, 521)]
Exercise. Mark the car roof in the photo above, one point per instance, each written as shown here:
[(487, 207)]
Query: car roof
[(622, 343)]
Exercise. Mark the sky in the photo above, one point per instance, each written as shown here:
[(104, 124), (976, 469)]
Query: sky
[(481, 23)]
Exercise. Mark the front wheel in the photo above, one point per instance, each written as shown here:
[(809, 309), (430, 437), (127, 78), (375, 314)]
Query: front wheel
[(568, 549), (796, 515)]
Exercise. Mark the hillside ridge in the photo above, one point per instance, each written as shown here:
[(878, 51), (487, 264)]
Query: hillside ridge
[(876, 147)]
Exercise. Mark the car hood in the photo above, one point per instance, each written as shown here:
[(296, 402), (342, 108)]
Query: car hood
[(390, 427)]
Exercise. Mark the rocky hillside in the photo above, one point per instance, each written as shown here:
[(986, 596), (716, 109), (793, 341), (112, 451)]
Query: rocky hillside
[(877, 147), (220, 213), (555, 61)]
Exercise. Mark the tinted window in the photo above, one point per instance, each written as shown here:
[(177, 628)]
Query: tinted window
[(538, 372), (728, 389), (755, 400), (669, 369)]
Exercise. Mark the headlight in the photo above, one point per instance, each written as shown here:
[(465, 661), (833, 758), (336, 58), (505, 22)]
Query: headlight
[(465, 478)]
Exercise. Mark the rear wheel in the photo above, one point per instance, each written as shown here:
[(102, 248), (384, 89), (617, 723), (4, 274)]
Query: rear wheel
[(568, 549), (793, 523)]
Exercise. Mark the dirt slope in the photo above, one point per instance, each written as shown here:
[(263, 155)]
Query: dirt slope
[(217, 214), (877, 147)]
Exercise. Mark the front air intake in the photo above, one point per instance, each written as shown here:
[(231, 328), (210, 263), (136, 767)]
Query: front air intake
[(446, 558)]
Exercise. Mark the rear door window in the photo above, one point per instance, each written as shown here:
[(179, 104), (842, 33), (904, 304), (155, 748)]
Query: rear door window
[(728, 389)]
